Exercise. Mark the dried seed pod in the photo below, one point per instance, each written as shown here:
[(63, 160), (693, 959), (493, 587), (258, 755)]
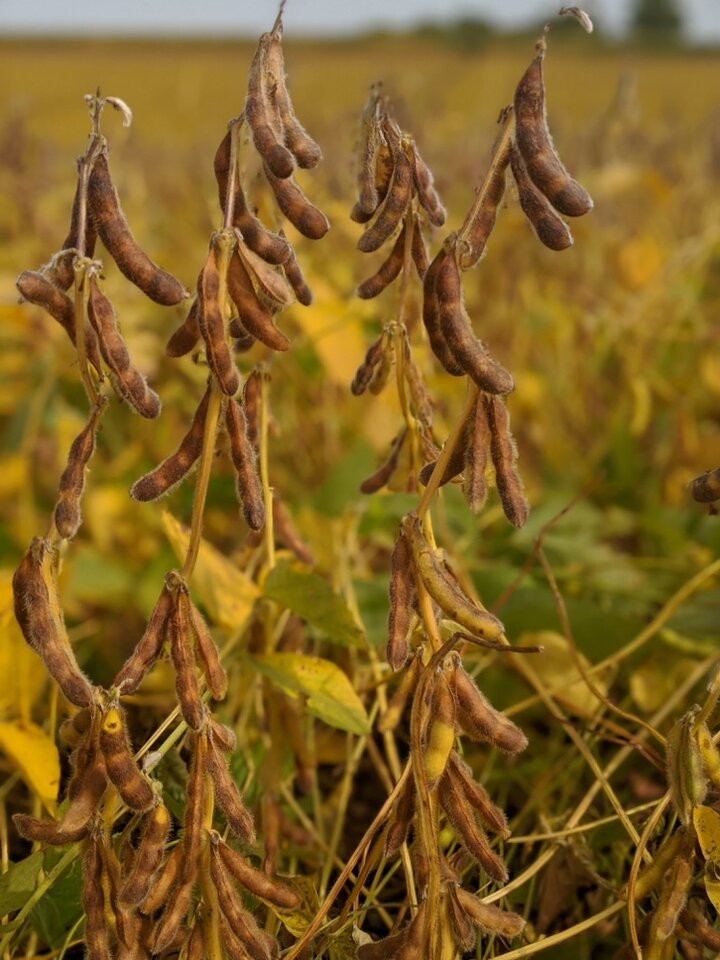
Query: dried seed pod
[(489, 918), (381, 476), (302, 214), (62, 265), (381, 373), (260, 116), (481, 721), (366, 369), (46, 831), (162, 882), (114, 231), (536, 146), (444, 589), (387, 272), (38, 612), (251, 400), (179, 633), (456, 462), (269, 889), (223, 735), (475, 233), (463, 820), (706, 488), (228, 796), (208, 655), (37, 289), (400, 819), (89, 780), (403, 596), (249, 489), (393, 206), (296, 279), (426, 192), (685, 767), (306, 151), (440, 738), (673, 895), (122, 770), (212, 325), (458, 334), (371, 139), (476, 458), (255, 316), (549, 227), (396, 705), (650, 877), (72, 482), (148, 649), (118, 917), (93, 901), (187, 335), (193, 816), (176, 467), (242, 340), (132, 388), (73, 730), (476, 795), (504, 455), (431, 317), (176, 908), (418, 251), (148, 856), (272, 286), (462, 929), (241, 921), (287, 533), (104, 323)]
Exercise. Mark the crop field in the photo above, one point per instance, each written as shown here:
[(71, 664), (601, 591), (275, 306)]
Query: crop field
[(354, 736)]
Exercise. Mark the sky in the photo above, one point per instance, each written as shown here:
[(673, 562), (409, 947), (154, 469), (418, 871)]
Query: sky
[(249, 17)]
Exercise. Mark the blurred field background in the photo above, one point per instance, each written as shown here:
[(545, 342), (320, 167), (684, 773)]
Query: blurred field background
[(614, 344)]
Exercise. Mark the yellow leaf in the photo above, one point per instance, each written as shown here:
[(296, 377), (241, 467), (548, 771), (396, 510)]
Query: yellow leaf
[(36, 757), (712, 886), (17, 660), (227, 593), (707, 827), (653, 681), (556, 668)]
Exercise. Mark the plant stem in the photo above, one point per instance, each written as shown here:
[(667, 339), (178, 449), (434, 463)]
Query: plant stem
[(446, 453), (265, 473)]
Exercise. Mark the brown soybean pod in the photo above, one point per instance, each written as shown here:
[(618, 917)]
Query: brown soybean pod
[(463, 820), (163, 881), (176, 467), (40, 619), (401, 818), (208, 654), (242, 340), (370, 141), (431, 318), (104, 323), (228, 796), (481, 721), (306, 151), (419, 252), (72, 482), (535, 144), (476, 457), (187, 335), (403, 595), (476, 795), (89, 779), (381, 476), (475, 236), (148, 856), (183, 660), (366, 369), (176, 908), (93, 901), (224, 736), (287, 533), (259, 115), (133, 787), (469, 352), (240, 921), (118, 917), (272, 285), (251, 403), (549, 227), (242, 453), (463, 931), (456, 462), (148, 649), (62, 266), (115, 233), (46, 831), (132, 388), (258, 883), (193, 817), (212, 327), (302, 214), (706, 488), (73, 729), (255, 317), (387, 272), (38, 290), (393, 206), (504, 456), (296, 279), (427, 195), (488, 917)]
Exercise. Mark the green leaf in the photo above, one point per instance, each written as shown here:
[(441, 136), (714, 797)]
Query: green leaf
[(18, 882), (329, 693), (311, 597), (61, 907)]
